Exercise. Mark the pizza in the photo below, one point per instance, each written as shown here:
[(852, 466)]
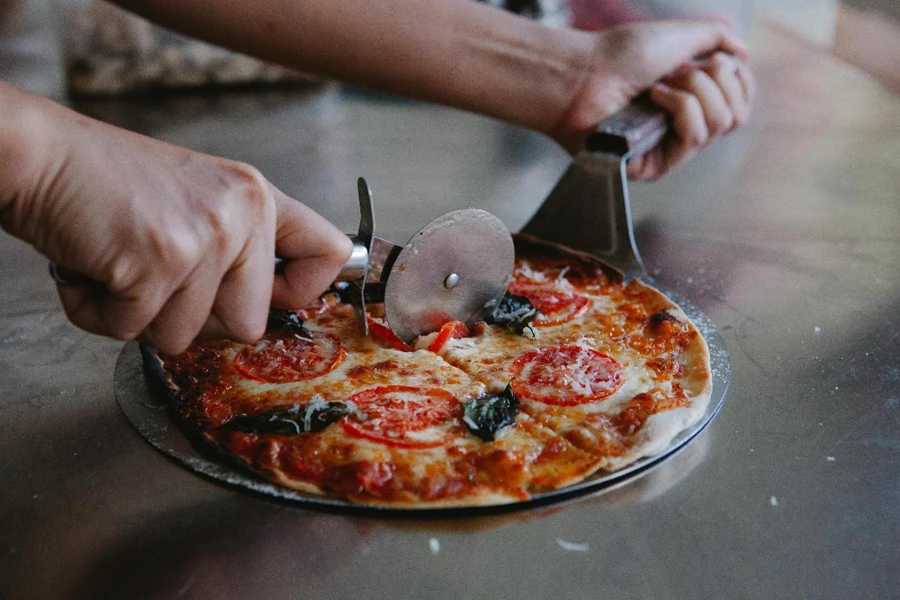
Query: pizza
[(574, 372)]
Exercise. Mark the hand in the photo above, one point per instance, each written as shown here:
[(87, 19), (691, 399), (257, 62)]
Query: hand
[(183, 243), (706, 98)]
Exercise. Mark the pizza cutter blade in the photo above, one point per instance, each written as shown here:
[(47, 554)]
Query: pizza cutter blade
[(589, 209), (455, 268)]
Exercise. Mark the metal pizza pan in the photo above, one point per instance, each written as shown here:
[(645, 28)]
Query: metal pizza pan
[(147, 410)]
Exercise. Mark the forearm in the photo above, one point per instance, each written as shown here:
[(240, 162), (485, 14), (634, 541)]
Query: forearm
[(21, 149), (455, 52)]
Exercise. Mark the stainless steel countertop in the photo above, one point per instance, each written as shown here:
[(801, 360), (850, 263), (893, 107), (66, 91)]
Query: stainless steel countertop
[(786, 234)]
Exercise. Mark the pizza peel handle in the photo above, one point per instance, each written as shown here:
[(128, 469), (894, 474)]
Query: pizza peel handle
[(632, 131), (588, 209)]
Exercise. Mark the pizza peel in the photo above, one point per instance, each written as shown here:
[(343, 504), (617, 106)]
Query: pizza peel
[(588, 209)]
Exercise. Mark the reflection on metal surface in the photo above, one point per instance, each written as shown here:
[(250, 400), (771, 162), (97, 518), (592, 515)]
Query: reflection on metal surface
[(147, 412)]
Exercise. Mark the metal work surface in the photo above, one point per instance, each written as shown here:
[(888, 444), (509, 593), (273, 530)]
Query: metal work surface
[(785, 234)]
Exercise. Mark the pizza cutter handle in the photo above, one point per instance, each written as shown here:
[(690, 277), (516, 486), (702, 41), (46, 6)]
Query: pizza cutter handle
[(357, 266), (630, 132)]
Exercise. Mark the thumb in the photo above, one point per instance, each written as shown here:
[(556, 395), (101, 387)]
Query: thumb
[(314, 251)]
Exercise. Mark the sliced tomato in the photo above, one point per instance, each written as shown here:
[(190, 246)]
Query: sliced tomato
[(282, 359), (451, 330), (555, 307), (380, 330), (397, 413), (566, 375)]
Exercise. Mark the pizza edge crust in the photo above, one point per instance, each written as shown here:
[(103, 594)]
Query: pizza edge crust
[(657, 433), (205, 443)]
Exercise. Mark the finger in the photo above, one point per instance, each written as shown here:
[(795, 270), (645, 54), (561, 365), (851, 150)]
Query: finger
[(716, 111), (242, 303), (122, 314), (687, 137), (184, 314), (81, 304), (723, 70), (748, 81), (316, 251)]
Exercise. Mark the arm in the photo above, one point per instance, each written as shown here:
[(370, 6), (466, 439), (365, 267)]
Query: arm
[(182, 242), (468, 55), (455, 52)]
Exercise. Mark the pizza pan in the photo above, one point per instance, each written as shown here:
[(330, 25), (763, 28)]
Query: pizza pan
[(146, 409)]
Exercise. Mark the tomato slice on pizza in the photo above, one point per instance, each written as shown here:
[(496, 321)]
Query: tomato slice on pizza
[(406, 416), (566, 375), (555, 307), (384, 333), (449, 331), (283, 359)]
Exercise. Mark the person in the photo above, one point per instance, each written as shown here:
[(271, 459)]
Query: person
[(183, 243)]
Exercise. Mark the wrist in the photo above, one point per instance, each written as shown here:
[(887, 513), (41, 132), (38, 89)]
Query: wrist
[(601, 92), (25, 128), (540, 71)]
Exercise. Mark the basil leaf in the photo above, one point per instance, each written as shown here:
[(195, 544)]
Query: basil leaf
[(513, 312), (287, 323), (303, 418), (487, 415)]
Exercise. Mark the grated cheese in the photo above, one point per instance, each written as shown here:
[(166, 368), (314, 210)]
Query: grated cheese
[(317, 402), (525, 270)]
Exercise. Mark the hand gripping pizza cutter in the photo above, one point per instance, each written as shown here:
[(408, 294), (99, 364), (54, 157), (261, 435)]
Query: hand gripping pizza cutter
[(588, 209), (455, 268)]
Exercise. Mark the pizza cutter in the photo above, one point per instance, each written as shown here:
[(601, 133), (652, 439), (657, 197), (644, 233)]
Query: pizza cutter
[(589, 209), (455, 268)]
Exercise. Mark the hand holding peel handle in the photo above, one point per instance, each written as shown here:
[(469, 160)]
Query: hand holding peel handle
[(183, 242), (705, 98)]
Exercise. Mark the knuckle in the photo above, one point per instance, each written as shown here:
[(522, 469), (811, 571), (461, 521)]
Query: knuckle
[(721, 60), (696, 79), (246, 201), (177, 252), (683, 101), (721, 123), (252, 186), (122, 274)]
